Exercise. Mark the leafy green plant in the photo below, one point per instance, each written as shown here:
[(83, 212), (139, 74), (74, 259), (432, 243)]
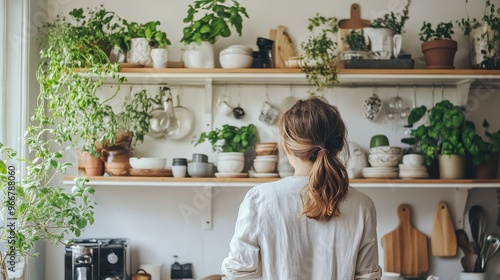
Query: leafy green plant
[(394, 21), (446, 133), (230, 138), (318, 53), (356, 40), (147, 31), (480, 149), (216, 22), (443, 30)]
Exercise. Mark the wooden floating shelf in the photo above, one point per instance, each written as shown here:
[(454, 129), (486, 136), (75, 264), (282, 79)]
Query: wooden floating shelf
[(251, 182)]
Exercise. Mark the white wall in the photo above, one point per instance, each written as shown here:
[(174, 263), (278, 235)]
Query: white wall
[(151, 216)]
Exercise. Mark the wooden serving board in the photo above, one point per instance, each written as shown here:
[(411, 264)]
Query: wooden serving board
[(283, 46), (405, 248), (347, 25), (443, 238)]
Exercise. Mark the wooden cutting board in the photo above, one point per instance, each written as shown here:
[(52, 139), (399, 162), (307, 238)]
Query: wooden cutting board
[(347, 25), (443, 238), (405, 248), (283, 46)]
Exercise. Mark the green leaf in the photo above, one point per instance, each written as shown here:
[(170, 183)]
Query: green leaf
[(81, 223)]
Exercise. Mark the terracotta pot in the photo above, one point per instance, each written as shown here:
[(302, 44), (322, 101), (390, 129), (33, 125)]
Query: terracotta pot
[(451, 167), (439, 54), (487, 169), (94, 166), (123, 141)]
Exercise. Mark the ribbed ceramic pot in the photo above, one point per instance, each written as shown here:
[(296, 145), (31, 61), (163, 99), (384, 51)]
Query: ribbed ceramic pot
[(451, 167), (472, 276)]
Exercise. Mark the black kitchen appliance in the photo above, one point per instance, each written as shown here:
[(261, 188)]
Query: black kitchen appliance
[(97, 259)]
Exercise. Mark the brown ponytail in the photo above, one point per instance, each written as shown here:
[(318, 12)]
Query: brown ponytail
[(313, 130)]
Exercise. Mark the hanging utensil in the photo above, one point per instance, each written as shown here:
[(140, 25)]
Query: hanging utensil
[(498, 206), (477, 223), (463, 243), (159, 121), (185, 120), (174, 126), (238, 112)]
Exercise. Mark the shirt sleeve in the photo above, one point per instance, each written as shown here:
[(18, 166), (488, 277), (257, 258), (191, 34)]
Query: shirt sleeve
[(243, 260), (367, 266)]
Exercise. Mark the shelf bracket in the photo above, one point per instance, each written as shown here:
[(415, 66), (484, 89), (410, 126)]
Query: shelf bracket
[(207, 211), (460, 203), (463, 89), (207, 120)]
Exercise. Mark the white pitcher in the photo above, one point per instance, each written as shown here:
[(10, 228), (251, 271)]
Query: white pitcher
[(199, 55), (383, 42)]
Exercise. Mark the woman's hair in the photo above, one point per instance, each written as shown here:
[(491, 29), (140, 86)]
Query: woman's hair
[(313, 131)]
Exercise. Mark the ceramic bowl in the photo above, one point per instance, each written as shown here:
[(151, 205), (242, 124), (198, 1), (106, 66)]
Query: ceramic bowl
[(267, 157), (235, 60), (230, 166), (231, 156), (264, 166), (200, 158), (390, 276), (382, 160), (147, 163), (200, 169), (388, 150), (413, 160)]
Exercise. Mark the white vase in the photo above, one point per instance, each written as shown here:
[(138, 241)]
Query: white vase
[(199, 55), (451, 167), (480, 37), (140, 52), (159, 58), (472, 276), (231, 162)]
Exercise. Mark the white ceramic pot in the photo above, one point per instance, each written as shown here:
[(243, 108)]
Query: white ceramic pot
[(159, 58), (472, 276), (140, 52), (357, 161), (199, 55), (383, 42), (451, 167)]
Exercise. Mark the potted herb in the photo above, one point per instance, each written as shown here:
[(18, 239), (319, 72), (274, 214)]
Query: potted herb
[(485, 154), (141, 39), (357, 45), (443, 138), (484, 37), (201, 33), (318, 53), (438, 47), (393, 21), (231, 142)]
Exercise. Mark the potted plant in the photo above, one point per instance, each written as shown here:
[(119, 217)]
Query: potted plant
[(201, 33), (357, 45), (485, 154), (318, 58), (393, 21), (484, 37), (231, 142), (442, 138), (438, 47), (142, 39)]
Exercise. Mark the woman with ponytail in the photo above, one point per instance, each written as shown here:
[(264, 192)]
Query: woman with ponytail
[(311, 225)]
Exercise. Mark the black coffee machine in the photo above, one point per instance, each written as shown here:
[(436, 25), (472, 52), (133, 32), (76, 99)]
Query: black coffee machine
[(263, 58), (97, 259)]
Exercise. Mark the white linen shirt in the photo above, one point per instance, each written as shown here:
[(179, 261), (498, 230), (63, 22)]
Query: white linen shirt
[(272, 240)]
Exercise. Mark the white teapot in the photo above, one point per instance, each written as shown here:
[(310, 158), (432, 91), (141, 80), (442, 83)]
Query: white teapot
[(356, 162)]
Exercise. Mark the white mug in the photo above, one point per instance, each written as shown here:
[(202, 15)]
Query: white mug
[(223, 106)]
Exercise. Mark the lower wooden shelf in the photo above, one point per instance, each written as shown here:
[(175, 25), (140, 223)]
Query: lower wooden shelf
[(251, 182)]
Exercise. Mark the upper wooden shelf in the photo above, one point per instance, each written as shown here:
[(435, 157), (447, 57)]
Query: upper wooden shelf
[(347, 77), (251, 182)]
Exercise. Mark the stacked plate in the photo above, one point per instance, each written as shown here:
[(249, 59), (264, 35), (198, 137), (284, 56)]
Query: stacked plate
[(413, 167), (384, 161), (380, 172)]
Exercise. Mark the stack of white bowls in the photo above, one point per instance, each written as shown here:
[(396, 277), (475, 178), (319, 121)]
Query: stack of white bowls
[(230, 165), (413, 167), (384, 162), (236, 56), (265, 166)]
